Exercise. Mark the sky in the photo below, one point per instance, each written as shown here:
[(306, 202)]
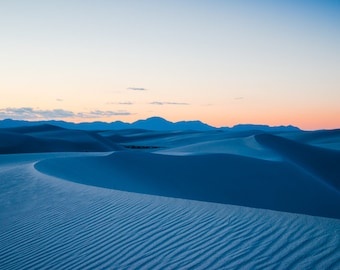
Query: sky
[(221, 62)]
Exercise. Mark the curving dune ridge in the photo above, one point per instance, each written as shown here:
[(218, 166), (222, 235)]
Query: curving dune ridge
[(324, 163), (193, 201), (221, 178)]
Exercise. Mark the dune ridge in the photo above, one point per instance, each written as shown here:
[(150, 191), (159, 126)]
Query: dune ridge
[(221, 178), (321, 162), (48, 138)]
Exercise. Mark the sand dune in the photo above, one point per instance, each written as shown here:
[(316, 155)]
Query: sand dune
[(243, 146), (47, 223), (323, 138), (48, 138), (179, 200), (321, 162), (218, 178)]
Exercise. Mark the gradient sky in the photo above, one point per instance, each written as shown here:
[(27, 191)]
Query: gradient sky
[(221, 62)]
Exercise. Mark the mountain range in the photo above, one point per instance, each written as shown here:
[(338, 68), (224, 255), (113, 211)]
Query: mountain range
[(152, 123)]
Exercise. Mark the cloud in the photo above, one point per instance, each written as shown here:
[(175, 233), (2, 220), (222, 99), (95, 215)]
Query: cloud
[(121, 103), (99, 114), (136, 88), (30, 113), (27, 113), (59, 99), (168, 103), (239, 98)]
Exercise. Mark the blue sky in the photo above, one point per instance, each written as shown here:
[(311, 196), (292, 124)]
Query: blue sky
[(222, 62)]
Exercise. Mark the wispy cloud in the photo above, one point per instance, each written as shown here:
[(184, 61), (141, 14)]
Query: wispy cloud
[(137, 88), (30, 113), (121, 103), (168, 103), (239, 98), (99, 114), (27, 113), (59, 100)]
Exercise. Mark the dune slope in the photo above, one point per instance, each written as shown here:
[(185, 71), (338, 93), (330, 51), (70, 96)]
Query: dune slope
[(47, 138), (221, 178), (321, 162)]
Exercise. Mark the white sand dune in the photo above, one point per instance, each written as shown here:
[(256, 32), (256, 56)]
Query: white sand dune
[(243, 146), (49, 138), (323, 138), (192, 204), (47, 223), (321, 162), (218, 178)]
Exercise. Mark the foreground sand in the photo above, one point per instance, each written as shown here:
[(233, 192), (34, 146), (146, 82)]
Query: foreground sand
[(169, 209)]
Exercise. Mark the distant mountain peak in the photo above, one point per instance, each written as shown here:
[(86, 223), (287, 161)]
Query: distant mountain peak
[(159, 123)]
